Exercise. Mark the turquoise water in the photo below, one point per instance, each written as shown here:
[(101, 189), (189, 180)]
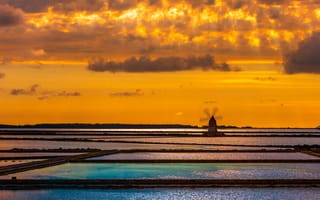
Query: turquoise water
[(148, 194), (174, 171), (205, 156)]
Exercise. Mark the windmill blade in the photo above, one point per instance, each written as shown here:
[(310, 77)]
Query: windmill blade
[(214, 110), (207, 112)]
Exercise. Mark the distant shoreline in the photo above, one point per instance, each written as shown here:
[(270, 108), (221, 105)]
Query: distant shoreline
[(107, 126), (130, 126)]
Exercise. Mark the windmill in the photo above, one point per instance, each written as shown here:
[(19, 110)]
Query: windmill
[(211, 118), (208, 113)]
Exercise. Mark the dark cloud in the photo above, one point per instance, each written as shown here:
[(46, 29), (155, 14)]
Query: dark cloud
[(30, 91), (33, 6), (42, 95), (157, 3), (148, 50), (268, 78), (68, 94), (137, 92), (29, 5), (275, 13), (161, 64), (2, 75), (121, 4), (10, 16), (236, 4), (79, 5), (197, 3), (271, 2), (49, 94), (306, 58), (127, 4)]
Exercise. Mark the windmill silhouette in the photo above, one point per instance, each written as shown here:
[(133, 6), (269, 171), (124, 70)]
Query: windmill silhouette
[(208, 113), (210, 118)]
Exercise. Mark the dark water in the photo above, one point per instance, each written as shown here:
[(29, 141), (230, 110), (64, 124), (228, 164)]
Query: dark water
[(166, 194)]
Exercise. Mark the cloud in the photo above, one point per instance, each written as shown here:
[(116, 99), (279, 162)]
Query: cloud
[(268, 78), (79, 5), (305, 59), (30, 91), (50, 94), (68, 94), (10, 16), (137, 92), (77, 30), (34, 6), (161, 64), (237, 4), (197, 3), (2, 75), (276, 2), (121, 4), (28, 6), (43, 94), (38, 52)]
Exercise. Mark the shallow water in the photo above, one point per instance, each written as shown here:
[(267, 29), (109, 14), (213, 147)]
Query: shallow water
[(132, 194), (174, 171), (232, 140), (37, 144), (205, 156)]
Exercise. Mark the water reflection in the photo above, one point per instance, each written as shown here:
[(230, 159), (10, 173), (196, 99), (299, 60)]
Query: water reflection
[(147, 194)]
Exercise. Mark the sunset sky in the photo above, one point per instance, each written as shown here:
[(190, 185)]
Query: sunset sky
[(160, 61)]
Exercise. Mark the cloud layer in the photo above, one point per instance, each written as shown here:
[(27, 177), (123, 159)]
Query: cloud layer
[(161, 64), (306, 58), (9, 16), (78, 30)]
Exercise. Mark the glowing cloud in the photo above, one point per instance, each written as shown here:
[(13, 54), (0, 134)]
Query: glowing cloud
[(83, 29)]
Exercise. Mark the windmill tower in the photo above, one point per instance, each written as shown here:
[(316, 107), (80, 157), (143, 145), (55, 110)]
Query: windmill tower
[(212, 125)]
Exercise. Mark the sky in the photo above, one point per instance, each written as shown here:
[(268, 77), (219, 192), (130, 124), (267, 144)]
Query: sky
[(250, 62)]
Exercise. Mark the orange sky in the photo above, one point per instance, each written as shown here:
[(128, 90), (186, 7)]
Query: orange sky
[(73, 62)]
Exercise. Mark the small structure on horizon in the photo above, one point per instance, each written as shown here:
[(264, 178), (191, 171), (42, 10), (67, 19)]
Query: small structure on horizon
[(213, 128)]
